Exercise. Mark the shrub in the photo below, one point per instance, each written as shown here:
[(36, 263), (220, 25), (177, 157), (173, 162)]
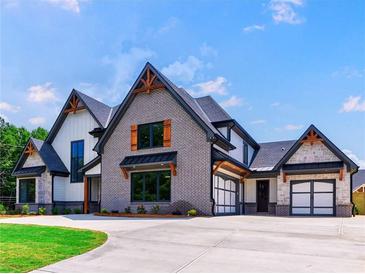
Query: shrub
[(104, 210), (356, 210), (33, 213), (77, 211), (55, 211), (155, 209), (141, 209), (2, 209), (25, 209), (67, 211), (128, 210), (41, 210), (192, 212), (176, 212)]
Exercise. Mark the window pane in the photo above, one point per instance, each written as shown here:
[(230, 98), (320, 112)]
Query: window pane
[(157, 130), (27, 191), (144, 136), (150, 187), (137, 187), (77, 160), (165, 186)]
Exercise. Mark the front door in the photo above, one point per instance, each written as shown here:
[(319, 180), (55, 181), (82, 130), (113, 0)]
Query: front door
[(262, 196)]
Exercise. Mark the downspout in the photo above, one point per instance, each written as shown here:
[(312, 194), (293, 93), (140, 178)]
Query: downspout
[(353, 205), (211, 179)]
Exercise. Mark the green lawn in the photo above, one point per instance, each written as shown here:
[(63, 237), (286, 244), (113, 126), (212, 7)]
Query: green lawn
[(27, 247)]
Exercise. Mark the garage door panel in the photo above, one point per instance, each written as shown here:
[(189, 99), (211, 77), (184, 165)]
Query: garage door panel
[(323, 187), (301, 199), (299, 210), (225, 195), (321, 211), (302, 187), (323, 199)]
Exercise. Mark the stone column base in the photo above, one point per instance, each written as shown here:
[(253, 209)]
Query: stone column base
[(344, 210), (282, 210)]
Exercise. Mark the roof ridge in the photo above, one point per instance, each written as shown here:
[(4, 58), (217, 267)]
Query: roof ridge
[(281, 141)]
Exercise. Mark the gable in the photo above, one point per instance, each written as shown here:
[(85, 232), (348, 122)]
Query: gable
[(312, 153), (33, 160)]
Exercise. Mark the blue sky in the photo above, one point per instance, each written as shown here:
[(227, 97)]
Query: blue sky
[(276, 66)]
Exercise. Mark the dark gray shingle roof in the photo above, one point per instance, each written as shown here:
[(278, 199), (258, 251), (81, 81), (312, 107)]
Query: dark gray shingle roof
[(358, 179), (49, 156), (29, 171), (270, 154), (212, 109), (100, 110)]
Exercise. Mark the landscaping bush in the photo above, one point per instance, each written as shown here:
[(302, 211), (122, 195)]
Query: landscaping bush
[(55, 211), (141, 209), (176, 212), (77, 211), (25, 209), (2, 209), (41, 210), (356, 210), (104, 210), (128, 210), (67, 211), (192, 212), (115, 211), (155, 209)]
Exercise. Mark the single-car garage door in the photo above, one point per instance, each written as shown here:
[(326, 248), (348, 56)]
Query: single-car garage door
[(312, 197), (225, 194)]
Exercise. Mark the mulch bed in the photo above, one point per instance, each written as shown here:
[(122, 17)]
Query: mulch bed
[(15, 216), (134, 215)]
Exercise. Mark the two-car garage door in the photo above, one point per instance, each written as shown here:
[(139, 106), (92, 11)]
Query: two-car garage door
[(312, 197)]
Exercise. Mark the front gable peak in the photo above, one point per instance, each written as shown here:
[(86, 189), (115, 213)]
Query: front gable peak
[(148, 82)]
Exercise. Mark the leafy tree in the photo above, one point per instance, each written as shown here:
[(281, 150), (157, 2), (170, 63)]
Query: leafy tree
[(12, 142)]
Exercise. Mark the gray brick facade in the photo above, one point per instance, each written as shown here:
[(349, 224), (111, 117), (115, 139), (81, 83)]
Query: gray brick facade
[(190, 188)]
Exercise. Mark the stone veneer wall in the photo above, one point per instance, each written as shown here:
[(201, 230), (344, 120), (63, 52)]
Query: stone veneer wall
[(315, 153), (191, 187)]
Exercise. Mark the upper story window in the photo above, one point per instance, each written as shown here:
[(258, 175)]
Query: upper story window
[(77, 160), (245, 153), (150, 135), (27, 191)]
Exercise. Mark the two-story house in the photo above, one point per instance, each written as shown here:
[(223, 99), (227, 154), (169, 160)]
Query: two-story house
[(162, 146)]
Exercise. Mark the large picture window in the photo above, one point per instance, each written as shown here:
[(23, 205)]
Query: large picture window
[(77, 160), (27, 191), (151, 186), (150, 135)]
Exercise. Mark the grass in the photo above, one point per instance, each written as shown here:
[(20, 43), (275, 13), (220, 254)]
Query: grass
[(27, 247)]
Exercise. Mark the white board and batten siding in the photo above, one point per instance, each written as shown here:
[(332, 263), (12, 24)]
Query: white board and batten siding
[(75, 127)]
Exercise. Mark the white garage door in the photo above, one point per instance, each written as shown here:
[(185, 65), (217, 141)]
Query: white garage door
[(225, 195), (312, 197)]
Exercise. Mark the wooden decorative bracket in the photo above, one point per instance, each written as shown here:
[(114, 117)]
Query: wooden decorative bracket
[(124, 173), (341, 174), (285, 179), (149, 84), (312, 138), (173, 168), (219, 164), (30, 149), (74, 105)]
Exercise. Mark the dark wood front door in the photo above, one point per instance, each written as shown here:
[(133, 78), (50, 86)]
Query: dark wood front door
[(262, 196)]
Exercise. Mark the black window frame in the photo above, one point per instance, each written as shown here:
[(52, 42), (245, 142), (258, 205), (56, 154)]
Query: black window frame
[(151, 139), (27, 182), (74, 169), (245, 153), (144, 173)]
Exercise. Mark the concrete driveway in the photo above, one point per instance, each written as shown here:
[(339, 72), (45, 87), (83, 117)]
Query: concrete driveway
[(218, 244)]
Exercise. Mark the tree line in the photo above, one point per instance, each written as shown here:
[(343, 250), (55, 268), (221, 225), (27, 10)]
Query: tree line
[(12, 142)]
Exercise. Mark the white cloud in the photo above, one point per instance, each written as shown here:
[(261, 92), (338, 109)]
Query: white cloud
[(183, 71), (207, 51), (275, 104), (70, 5), (292, 127), (349, 72), (355, 158), (8, 107), (41, 93), (215, 86), (257, 122), (170, 24), (353, 104), (38, 120), (125, 66), (254, 28), (4, 117), (233, 101), (283, 11)]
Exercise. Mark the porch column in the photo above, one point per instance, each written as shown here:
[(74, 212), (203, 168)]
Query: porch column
[(86, 195)]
